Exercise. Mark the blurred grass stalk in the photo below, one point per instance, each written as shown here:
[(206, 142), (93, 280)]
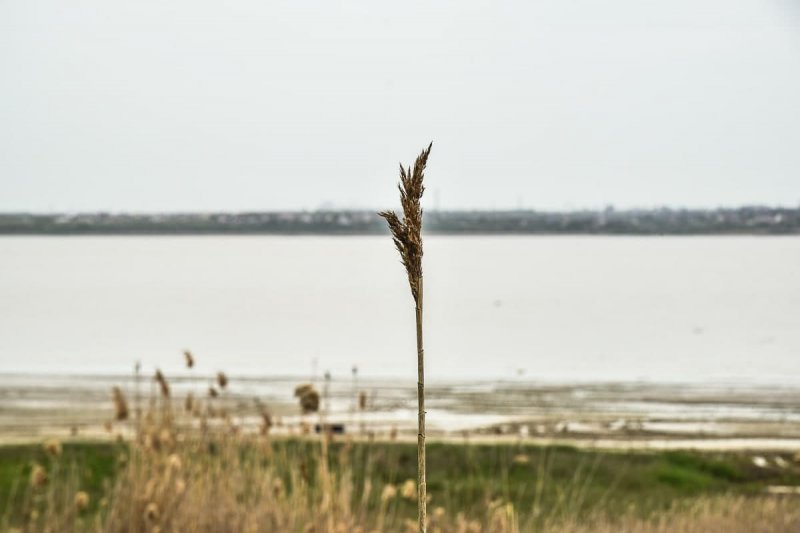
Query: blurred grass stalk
[(407, 236)]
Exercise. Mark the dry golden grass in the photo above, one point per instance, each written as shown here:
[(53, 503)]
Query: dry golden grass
[(191, 471), (722, 514)]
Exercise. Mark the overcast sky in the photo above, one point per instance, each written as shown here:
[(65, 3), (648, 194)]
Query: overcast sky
[(153, 105)]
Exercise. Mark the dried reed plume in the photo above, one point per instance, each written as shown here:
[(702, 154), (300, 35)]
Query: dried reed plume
[(388, 493), (38, 476), (362, 400), (409, 489), (222, 380), (53, 447), (189, 358), (120, 405), (162, 382), (81, 501), (407, 236), (309, 398), (174, 462), (407, 233), (151, 512)]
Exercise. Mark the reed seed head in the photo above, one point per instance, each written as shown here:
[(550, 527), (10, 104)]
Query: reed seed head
[(407, 232), (38, 476), (53, 447), (409, 490), (174, 462), (308, 397), (300, 390), (162, 383), (388, 493), (362, 400), (120, 405), (213, 392), (222, 380), (151, 513), (189, 358), (81, 501)]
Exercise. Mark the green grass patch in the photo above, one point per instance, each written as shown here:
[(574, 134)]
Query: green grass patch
[(555, 481), (85, 466)]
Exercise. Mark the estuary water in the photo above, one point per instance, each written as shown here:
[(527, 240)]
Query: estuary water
[(596, 309)]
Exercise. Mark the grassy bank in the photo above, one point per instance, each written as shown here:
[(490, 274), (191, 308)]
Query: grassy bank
[(544, 486)]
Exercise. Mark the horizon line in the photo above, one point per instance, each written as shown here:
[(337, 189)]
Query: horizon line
[(607, 208)]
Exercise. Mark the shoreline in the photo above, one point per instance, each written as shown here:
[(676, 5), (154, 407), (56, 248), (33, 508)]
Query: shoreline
[(623, 446), (627, 415)]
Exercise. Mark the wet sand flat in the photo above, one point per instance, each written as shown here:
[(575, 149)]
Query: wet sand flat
[(609, 415)]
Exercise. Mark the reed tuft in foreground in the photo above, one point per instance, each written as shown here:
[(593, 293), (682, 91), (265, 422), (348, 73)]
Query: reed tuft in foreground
[(208, 469)]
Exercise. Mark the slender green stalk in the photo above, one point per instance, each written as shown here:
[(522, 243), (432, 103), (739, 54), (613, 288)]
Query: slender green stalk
[(407, 236)]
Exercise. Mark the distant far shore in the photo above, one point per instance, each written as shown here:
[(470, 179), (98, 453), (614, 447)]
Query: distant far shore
[(752, 220)]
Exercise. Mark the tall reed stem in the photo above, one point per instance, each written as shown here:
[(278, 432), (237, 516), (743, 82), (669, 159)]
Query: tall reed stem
[(407, 236), (422, 492)]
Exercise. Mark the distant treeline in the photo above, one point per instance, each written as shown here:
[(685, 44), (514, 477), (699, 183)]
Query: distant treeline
[(741, 220)]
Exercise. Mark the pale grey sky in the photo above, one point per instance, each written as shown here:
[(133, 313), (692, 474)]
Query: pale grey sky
[(154, 105)]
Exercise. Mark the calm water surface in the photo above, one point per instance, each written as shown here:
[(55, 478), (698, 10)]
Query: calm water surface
[(550, 308)]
